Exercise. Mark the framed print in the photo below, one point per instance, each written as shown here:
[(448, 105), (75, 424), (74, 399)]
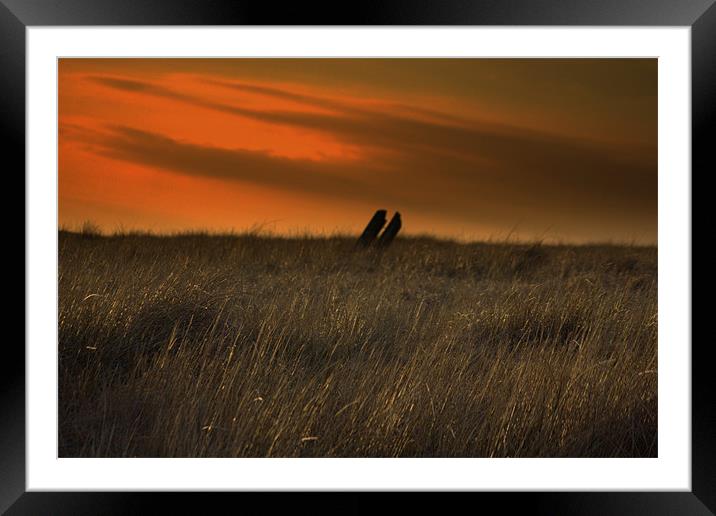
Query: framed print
[(443, 248)]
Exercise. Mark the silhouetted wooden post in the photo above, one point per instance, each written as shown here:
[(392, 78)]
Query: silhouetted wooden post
[(390, 231), (372, 229)]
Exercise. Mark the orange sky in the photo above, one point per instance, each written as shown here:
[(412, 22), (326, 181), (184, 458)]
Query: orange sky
[(553, 149)]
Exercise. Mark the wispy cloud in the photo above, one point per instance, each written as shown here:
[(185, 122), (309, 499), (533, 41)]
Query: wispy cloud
[(480, 154)]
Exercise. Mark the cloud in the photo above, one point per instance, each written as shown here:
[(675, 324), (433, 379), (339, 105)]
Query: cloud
[(152, 149), (308, 100), (412, 156), (545, 163), (392, 131)]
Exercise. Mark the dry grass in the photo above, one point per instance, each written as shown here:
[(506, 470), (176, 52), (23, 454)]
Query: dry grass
[(230, 346)]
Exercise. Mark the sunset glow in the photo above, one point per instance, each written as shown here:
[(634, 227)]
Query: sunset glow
[(560, 150)]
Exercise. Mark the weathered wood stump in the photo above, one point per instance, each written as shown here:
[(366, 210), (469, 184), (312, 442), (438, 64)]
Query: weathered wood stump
[(372, 229), (390, 231)]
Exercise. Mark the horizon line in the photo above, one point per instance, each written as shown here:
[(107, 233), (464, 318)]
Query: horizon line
[(96, 232)]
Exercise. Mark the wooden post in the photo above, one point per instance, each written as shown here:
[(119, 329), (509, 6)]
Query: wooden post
[(372, 229), (390, 231)]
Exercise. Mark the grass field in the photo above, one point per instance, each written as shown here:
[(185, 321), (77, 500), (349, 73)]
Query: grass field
[(249, 346)]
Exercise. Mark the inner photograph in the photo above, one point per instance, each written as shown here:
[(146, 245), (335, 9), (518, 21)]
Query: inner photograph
[(404, 257)]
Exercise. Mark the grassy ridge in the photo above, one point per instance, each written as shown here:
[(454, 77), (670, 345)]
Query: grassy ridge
[(201, 345)]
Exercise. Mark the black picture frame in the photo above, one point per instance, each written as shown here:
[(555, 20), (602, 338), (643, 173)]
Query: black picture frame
[(17, 15)]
